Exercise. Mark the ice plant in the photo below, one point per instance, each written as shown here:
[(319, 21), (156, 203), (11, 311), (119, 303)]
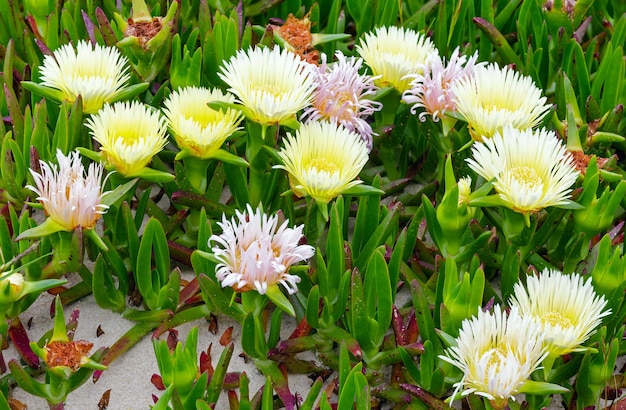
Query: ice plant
[(342, 96), (394, 54), (530, 169), (67, 363), (493, 97), (147, 39), (566, 306), (70, 196), (199, 130), (255, 253), (497, 354), (129, 134), (271, 84), (323, 160), (431, 90), (97, 73)]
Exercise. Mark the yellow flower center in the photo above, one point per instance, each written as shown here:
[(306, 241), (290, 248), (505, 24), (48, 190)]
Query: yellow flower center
[(527, 177), (556, 319), (323, 165), (495, 361), (271, 90)]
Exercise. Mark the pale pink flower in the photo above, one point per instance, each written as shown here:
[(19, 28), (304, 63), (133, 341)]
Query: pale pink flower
[(431, 90), (255, 253), (68, 195), (341, 96)]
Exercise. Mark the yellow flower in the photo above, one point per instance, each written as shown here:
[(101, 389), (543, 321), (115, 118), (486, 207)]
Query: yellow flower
[(323, 159), (566, 306), (199, 130), (530, 170), (497, 354), (130, 134), (95, 72), (272, 84), (70, 197), (493, 97), (395, 54)]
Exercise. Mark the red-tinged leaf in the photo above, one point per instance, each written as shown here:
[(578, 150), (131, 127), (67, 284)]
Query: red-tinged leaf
[(105, 27), (57, 290), (20, 340), (303, 329), (233, 400), (157, 381), (232, 380), (278, 382), (172, 339), (412, 331), (206, 364), (227, 336), (72, 323), (190, 290), (397, 324), (430, 400)]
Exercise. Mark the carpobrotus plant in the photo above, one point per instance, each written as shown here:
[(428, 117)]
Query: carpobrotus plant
[(415, 203)]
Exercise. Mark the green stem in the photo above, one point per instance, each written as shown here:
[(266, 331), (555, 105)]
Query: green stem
[(185, 316), (124, 343), (196, 170), (258, 164)]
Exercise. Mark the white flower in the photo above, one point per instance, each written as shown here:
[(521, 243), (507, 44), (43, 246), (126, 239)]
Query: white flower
[(496, 354), (69, 196), (198, 129), (530, 169), (341, 96), (273, 84), (567, 307), (323, 160), (255, 253), (465, 189), (493, 97), (432, 90), (130, 134), (95, 72), (394, 54)]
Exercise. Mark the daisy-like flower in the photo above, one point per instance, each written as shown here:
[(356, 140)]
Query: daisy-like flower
[(341, 96), (566, 306), (70, 197), (272, 84), (256, 253), (95, 72), (497, 354), (493, 97), (530, 170), (198, 129), (431, 90), (130, 134), (394, 54), (323, 160)]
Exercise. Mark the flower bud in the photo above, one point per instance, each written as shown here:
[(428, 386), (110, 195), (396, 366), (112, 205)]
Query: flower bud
[(147, 40)]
